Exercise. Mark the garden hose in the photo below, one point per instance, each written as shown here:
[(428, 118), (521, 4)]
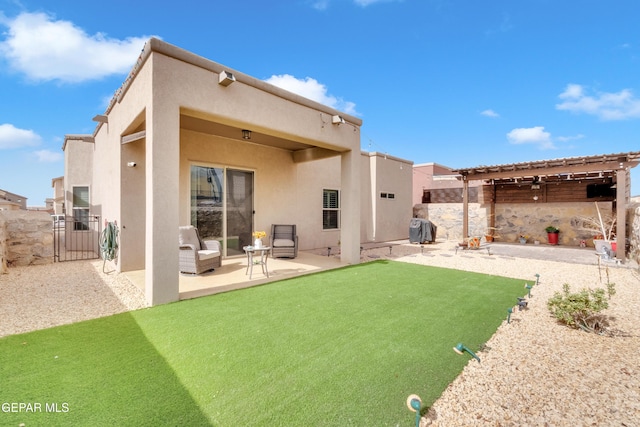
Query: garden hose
[(108, 242)]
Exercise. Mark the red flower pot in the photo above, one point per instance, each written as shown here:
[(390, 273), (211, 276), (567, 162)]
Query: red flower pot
[(553, 238)]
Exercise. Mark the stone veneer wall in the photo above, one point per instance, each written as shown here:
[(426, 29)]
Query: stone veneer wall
[(633, 231), (514, 219), (448, 218), (531, 219), (26, 238), (3, 245)]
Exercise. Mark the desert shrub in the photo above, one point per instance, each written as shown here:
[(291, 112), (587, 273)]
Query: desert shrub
[(581, 310)]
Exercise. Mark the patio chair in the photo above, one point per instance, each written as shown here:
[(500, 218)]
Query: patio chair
[(283, 241), (196, 255)]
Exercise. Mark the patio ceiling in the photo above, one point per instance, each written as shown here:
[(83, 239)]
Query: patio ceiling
[(214, 128), (600, 166)]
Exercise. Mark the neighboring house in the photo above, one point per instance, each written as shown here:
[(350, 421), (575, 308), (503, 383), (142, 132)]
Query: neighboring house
[(188, 141), (12, 201), (434, 183), (57, 201)]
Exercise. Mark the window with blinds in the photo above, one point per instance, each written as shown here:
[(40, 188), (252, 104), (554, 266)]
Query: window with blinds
[(80, 208), (330, 209)]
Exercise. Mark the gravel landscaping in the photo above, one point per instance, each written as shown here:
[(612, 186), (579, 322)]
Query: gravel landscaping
[(533, 371)]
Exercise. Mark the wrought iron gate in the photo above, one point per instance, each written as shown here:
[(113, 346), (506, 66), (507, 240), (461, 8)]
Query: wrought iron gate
[(76, 238)]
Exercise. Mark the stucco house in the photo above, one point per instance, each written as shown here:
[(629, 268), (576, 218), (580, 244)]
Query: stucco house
[(12, 201), (186, 140)]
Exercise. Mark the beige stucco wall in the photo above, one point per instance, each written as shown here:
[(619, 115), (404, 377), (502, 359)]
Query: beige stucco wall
[(386, 219)]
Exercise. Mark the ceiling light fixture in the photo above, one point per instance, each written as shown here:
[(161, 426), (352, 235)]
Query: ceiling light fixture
[(246, 134)]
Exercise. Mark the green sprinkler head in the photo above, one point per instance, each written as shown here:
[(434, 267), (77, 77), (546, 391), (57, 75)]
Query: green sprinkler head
[(537, 279), (509, 311), (413, 403), (527, 286), (460, 348)]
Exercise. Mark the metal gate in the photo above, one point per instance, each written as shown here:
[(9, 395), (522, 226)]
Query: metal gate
[(76, 238)]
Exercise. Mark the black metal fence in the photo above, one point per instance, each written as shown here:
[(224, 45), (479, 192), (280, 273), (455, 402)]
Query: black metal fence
[(76, 238)]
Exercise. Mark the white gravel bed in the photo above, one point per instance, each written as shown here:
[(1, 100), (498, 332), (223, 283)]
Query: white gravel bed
[(42, 296), (534, 372)]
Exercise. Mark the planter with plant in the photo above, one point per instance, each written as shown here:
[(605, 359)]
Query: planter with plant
[(602, 228), (552, 234)]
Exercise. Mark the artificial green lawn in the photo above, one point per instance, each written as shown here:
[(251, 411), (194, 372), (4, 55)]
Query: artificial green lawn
[(338, 348)]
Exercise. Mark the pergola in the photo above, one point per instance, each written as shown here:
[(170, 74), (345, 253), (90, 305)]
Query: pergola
[(612, 168)]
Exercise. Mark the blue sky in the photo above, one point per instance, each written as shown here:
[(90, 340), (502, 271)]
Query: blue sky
[(462, 83)]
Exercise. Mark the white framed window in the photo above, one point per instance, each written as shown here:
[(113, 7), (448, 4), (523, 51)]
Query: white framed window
[(330, 209), (81, 208)]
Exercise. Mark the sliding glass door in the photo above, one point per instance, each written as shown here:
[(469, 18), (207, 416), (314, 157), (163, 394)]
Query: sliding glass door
[(222, 206)]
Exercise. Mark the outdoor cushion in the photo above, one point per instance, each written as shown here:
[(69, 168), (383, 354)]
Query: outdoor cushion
[(208, 254), (189, 238), (283, 242)]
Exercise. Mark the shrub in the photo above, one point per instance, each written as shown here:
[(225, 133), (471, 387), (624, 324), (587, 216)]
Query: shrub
[(581, 310)]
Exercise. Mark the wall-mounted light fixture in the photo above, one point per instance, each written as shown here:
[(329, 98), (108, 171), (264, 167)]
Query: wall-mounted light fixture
[(337, 120), (246, 134), (226, 78)]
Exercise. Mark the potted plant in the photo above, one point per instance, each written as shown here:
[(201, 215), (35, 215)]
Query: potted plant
[(602, 229), (523, 238), (552, 234)]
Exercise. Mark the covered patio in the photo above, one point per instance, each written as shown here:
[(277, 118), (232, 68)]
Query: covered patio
[(575, 179)]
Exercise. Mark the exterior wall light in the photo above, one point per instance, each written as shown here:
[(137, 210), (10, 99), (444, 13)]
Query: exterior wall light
[(226, 78), (337, 120)]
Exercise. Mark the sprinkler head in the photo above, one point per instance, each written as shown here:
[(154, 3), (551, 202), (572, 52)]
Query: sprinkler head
[(537, 279), (414, 402), (460, 348), (509, 310)]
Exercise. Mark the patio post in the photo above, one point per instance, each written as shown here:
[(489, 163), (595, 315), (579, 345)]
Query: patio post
[(621, 213), (350, 207)]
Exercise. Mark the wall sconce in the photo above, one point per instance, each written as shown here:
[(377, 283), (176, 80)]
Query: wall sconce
[(246, 134), (225, 78), (337, 120), (535, 186), (535, 198)]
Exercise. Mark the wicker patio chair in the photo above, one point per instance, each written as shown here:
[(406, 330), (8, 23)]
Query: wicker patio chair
[(283, 241), (196, 255)]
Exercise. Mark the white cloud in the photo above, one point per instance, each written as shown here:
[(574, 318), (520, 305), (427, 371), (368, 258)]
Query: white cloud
[(46, 49), (48, 156), (12, 137), (607, 106), (490, 113), (535, 135), (312, 89)]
